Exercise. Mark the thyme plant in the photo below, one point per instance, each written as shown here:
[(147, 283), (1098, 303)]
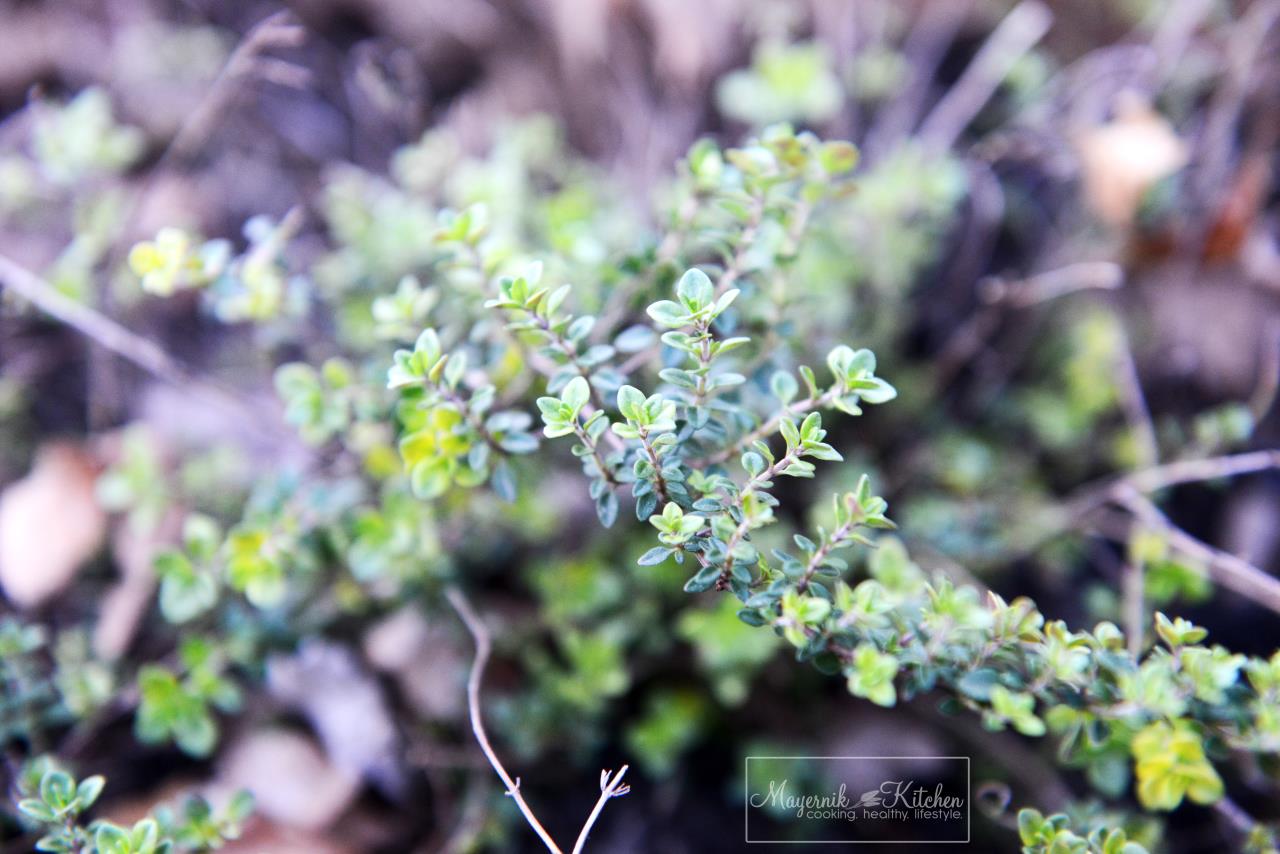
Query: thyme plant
[(697, 382)]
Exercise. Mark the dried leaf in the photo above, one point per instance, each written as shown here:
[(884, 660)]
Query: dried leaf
[(50, 524)]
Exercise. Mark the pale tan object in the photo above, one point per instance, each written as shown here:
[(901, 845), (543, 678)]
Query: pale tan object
[(430, 683), (126, 603), (265, 838), (291, 781), (581, 30), (50, 525), (1122, 159)]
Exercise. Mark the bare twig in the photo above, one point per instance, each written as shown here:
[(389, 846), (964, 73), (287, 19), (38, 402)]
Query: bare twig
[(1009, 42), (999, 295), (765, 430), (1264, 393), (1082, 509), (611, 785), (924, 48), (737, 265), (1207, 468), (1146, 481), (1175, 25), (1239, 820), (97, 327), (1042, 287), (1224, 568), (1135, 614), (1214, 146), (275, 31), (1134, 402), (118, 339), (484, 647)]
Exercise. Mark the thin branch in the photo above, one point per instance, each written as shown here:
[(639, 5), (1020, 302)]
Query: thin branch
[(274, 31), (746, 241), (1042, 287), (999, 295), (1008, 43), (484, 647), (765, 430), (1156, 478), (1083, 507), (118, 339), (1135, 612), (1246, 41), (1134, 403), (98, 327), (1224, 568), (1208, 468), (1264, 394), (1239, 820), (108, 333), (610, 787), (931, 35)]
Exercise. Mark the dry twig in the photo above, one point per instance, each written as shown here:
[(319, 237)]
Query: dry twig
[(1009, 42), (611, 785), (1224, 568), (97, 327)]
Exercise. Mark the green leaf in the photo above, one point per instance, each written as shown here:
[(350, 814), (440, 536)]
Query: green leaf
[(695, 289), (607, 508), (576, 394), (838, 156), (654, 556), (633, 339), (784, 387), (668, 313), (789, 432), (36, 809), (89, 790), (57, 789), (112, 839), (631, 403)]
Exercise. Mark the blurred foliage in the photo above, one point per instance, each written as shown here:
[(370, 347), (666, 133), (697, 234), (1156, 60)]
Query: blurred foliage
[(448, 328)]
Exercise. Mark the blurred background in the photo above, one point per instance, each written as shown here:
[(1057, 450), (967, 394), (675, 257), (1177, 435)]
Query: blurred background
[(1063, 250)]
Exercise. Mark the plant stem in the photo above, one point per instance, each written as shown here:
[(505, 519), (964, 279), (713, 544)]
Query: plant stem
[(590, 444), (828, 545), (1135, 618), (659, 481), (484, 647), (768, 428), (737, 265), (741, 531), (610, 787)]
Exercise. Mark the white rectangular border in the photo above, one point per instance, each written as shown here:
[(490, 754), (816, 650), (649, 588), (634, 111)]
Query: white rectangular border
[(746, 807)]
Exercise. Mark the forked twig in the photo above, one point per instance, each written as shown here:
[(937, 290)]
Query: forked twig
[(92, 324), (1156, 478), (484, 647), (611, 785), (274, 31), (1223, 567)]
